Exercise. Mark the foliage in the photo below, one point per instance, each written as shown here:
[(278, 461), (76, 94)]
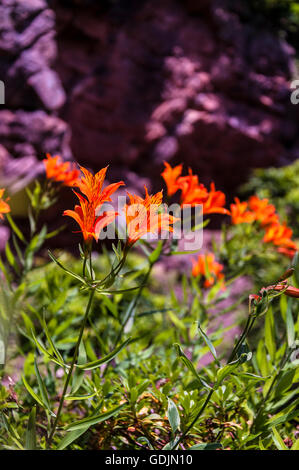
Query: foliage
[(115, 351), (281, 186)]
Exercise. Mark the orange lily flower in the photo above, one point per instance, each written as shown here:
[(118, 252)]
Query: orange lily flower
[(4, 207), (193, 192), (143, 216), (280, 235), (215, 202), (206, 266), (90, 224), (91, 186), (265, 213), (239, 212), (59, 171), (170, 176), (94, 197)]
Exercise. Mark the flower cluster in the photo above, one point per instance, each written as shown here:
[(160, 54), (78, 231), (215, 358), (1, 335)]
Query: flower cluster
[(92, 198), (148, 214), (4, 207), (260, 210), (192, 191), (65, 173), (206, 266), (144, 216)]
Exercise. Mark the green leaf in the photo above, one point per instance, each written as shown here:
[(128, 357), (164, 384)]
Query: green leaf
[(228, 369), (172, 444), (104, 359), (11, 259), (33, 394), (248, 375), (290, 324), (11, 431), (144, 440), (51, 342), (71, 273), (208, 343), (173, 416), (203, 446), (34, 246), (282, 418), (30, 439), (42, 388), (45, 351), (270, 334), (285, 382), (295, 446), (80, 397), (190, 252), (189, 364), (87, 422), (278, 440), (71, 437), (154, 256), (16, 230)]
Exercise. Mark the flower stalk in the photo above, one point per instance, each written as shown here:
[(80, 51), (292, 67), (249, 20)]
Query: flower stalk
[(70, 372)]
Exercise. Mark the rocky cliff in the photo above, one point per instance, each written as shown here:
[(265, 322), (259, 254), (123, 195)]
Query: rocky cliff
[(133, 83)]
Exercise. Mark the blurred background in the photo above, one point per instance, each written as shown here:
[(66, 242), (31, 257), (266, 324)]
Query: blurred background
[(133, 83)]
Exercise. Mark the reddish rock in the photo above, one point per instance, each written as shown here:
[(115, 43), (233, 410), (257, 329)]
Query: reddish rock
[(155, 83), (136, 83)]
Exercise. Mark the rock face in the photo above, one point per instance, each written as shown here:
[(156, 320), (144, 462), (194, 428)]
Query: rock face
[(177, 81), (33, 92), (133, 83)]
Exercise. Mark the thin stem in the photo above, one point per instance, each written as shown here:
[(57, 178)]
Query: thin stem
[(114, 271), (247, 329), (136, 300), (92, 292), (84, 267), (133, 306), (195, 419)]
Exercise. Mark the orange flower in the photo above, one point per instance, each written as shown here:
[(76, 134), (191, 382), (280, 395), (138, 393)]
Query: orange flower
[(85, 216), (91, 185), (265, 213), (170, 176), (215, 202), (193, 192), (143, 216), (280, 235), (239, 212), (4, 207), (207, 267), (59, 171)]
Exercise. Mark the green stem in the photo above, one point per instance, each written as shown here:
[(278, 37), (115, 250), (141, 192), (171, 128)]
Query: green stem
[(247, 329), (133, 306), (72, 366), (136, 300), (114, 271), (195, 419)]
